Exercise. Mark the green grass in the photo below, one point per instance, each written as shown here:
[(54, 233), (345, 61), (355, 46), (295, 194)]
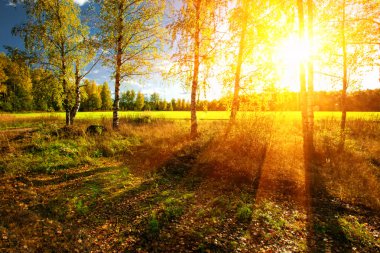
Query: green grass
[(184, 115)]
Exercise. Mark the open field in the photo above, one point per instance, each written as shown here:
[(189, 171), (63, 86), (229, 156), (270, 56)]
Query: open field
[(9, 120), (148, 188), (202, 115)]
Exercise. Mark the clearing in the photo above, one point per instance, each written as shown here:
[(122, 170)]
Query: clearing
[(148, 188)]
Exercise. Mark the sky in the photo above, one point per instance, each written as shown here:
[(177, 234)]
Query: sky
[(12, 15)]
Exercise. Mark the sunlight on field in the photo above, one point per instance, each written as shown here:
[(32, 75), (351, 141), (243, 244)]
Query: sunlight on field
[(184, 115), (155, 178)]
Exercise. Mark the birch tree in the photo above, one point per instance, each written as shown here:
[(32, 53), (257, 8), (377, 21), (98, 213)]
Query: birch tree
[(362, 19), (306, 76), (352, 40), (257, 25), (54, 32), (130, 33), (194, 34)]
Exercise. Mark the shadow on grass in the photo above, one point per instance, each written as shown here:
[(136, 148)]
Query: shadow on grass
[(160, 202), (124, 213), (220, 228), (68, 177), (256, 182), (80, 210), (325, 233)]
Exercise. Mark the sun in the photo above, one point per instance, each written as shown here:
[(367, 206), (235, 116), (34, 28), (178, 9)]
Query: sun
[(290, 52)]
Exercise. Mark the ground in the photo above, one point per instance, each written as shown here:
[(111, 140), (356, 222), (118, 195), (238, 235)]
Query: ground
[(148, 188)]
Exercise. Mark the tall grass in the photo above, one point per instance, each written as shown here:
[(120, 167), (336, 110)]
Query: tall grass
[(353, 175), (235, 156), (185, 115)]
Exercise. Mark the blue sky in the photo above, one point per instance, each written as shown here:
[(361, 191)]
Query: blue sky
[(11, 15)]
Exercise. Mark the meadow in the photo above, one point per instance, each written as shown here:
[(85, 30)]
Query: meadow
[(202, 115), (9, 120), (148, 188)]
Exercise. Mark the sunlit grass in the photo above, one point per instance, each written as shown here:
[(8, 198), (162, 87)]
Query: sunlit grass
[(245, 185), (184, 115)]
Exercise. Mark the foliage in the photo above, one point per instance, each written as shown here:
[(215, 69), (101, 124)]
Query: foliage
[(16, 85), (105, 95), (127, 100), (358, 232), (244, 213), (46, 90), (139, 105), (92, 100), (358, 30), (154, 225), (54, 34)]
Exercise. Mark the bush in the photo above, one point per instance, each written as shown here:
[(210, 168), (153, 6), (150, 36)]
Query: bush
[(153, 224), (244, 213), (357, 232), (172, 209), (95, 130), (141, 119)]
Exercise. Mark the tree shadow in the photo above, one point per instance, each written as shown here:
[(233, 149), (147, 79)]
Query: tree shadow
[(105, 212), (325, 233), (256, 182), (66, 177), (219, 235), (83, 207), (162, 194)]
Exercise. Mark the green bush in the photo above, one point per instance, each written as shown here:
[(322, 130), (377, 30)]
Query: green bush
[(357, 232), (270, 214), (172, 209), (244, 213), (153, 224)]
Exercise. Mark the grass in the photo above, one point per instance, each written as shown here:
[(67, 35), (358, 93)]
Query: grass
[(148, 187), (358, 232), (178, 115)]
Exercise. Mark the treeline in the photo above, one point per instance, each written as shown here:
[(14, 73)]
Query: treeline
[(130, 100), (361, 100), (25, 89), (274, 100), (95, 97)]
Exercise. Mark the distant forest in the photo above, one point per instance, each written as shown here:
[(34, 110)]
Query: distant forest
[(26, 89)]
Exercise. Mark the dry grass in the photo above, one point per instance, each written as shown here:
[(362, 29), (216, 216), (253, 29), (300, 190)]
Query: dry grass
[(149, 186), (237, 155), (354, 174)]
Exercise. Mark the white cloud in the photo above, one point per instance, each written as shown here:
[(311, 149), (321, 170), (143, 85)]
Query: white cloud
[(11, 3), (132, 82), (81, 2)]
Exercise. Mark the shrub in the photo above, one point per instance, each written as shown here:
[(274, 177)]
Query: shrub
[(95, 130), (173, 208), (153, 224), (244, 213), (145, 119), (357, 232)]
